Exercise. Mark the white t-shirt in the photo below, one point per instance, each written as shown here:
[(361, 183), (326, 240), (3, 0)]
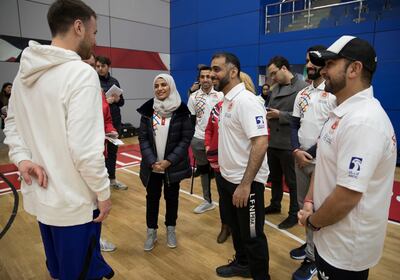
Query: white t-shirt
[(242, 118), (160, 129), (312, 106), (201, 104), (356, 150)]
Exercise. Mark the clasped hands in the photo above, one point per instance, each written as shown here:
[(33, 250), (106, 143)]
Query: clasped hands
[(161, 165)]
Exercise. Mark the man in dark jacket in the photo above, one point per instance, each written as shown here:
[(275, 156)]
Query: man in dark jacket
[(115, 102), (280, 158)]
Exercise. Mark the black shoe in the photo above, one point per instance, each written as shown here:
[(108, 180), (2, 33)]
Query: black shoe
[(232, 269), (272, 210), (299, 253), (306, 271), (224, 234), (288, 222)]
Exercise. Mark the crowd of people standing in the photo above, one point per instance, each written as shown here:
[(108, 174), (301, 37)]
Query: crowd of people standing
[(309, 135)]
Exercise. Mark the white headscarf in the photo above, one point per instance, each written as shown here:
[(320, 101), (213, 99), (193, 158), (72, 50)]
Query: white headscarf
[(167, 106)]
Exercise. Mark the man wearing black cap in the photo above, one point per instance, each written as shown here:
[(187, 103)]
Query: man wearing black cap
[(355, 165), (311, 109)]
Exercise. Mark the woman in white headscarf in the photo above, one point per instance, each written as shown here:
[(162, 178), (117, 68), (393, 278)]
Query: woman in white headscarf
[(164, 135)]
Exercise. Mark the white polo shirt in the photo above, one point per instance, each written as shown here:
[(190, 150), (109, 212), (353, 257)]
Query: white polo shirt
[(201, 104), (242, 117), (312, 106), (356, 150)]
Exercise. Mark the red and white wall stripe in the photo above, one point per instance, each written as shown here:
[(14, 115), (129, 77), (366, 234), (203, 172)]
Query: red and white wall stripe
[(135, 34)]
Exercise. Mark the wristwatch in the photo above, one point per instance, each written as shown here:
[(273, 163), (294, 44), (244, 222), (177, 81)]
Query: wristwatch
[(310, 225)]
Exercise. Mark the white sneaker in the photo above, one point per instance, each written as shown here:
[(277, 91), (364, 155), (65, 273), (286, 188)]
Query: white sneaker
[(203, 207), (107, 246), (171, 237), (151, 239), (118, 185)]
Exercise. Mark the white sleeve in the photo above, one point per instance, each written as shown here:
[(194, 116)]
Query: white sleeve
[(296, 106), (18, 150), (253, 117), (85, 132), (191, 104), (357, 158)]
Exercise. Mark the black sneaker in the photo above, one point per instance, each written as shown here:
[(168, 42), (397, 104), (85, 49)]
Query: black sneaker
[(272, 210), (306, 271), (288, 222), (232, 269), (299, 253)]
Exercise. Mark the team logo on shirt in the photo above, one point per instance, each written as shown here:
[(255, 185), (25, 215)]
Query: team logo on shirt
[(260, 122), (323, 98), (355, 167), (334, 126), (230, 106)]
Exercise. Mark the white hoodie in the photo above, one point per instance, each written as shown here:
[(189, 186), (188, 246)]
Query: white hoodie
[(55, 120)]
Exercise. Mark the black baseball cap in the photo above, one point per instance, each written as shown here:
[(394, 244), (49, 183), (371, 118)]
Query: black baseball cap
[(349, 47)]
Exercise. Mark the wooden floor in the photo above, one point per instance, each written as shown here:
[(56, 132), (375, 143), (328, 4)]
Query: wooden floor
[(197, 254)]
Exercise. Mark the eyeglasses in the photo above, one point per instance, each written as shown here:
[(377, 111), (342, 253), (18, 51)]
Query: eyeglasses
[(273, 73)]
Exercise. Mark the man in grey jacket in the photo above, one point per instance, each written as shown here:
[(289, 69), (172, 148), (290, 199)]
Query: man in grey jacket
[(280, 158)]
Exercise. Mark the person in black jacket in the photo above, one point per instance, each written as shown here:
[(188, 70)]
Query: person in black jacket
[(164, 135), (115, 102), (266, 93)]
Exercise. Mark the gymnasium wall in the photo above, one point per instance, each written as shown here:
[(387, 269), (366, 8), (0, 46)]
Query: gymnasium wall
[(134, 33), (200, 28)]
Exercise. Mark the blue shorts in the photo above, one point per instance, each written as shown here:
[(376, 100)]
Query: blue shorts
[(73, 252)]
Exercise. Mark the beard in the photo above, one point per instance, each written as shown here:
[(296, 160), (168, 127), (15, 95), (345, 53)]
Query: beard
[(84, 49), (222, 83), (336, 85), (315, 75), (206, 86)]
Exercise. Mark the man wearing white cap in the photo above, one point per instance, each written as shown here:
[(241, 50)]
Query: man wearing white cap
[(354, 172)]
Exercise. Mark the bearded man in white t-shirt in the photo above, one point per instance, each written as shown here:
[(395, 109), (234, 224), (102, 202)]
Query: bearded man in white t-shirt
[(311, 108), (242, 145), (354, 173)]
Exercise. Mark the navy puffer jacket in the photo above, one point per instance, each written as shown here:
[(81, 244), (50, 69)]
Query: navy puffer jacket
[(180, 134)]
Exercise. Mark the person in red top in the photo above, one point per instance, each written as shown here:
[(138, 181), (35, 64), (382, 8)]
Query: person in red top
[(211, 145), (108, 125), (110, 131)]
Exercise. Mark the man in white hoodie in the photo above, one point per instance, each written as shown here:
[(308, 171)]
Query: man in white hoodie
[(55, 133)]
